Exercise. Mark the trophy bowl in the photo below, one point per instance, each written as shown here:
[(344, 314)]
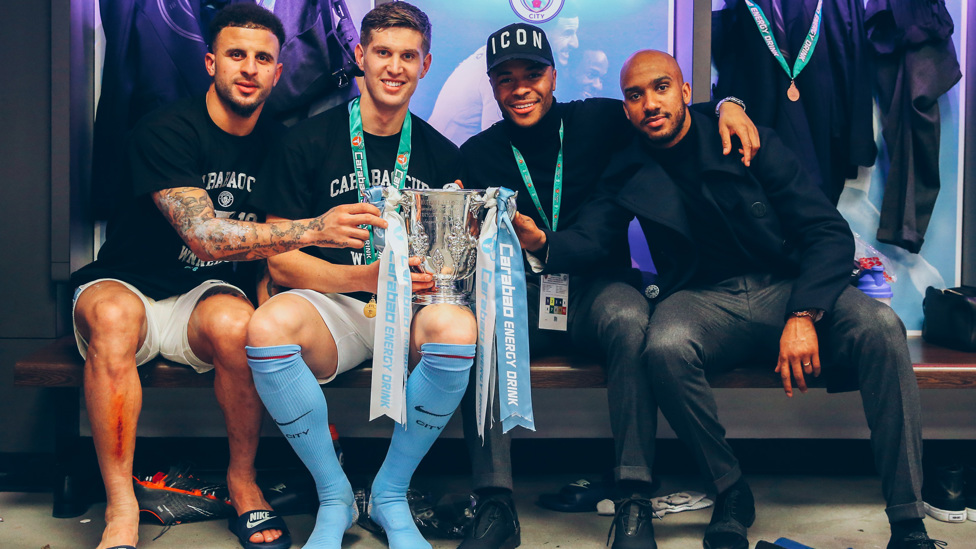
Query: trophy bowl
[(443, 226)]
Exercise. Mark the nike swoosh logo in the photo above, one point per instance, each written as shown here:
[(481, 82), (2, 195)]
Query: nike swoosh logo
[(421, 409), (293, 421), (255, 523)]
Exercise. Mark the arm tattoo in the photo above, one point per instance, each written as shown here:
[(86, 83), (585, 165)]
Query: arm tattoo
[(191, 213)]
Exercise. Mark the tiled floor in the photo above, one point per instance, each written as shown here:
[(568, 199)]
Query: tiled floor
[(821, 512)]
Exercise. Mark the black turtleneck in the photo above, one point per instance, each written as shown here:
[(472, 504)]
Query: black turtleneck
[(593, 129), (720, 253), (539, 145)]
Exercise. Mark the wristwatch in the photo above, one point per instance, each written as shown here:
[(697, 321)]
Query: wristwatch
[(730, 99)]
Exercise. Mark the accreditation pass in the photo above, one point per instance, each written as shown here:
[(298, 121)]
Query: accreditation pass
[(554, 302)]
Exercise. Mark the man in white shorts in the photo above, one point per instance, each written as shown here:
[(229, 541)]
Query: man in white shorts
[(165, 282), (307, 336)]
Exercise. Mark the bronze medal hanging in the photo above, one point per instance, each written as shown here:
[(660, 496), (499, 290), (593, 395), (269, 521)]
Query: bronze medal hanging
[(806, 50), (793, 93)]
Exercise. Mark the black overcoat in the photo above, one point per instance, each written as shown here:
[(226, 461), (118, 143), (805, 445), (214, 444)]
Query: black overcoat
[(773, 209)]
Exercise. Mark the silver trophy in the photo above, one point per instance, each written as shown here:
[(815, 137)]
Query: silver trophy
[(443, 226)]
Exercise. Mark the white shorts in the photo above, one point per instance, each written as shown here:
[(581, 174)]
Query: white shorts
[(167, 321), (352, 331)]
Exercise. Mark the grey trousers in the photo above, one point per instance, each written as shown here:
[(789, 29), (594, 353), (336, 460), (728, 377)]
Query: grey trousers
[(721, 326), (608, 319)]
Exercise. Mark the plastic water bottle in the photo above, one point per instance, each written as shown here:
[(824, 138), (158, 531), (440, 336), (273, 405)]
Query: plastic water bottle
[(872, 282), (335, 443)]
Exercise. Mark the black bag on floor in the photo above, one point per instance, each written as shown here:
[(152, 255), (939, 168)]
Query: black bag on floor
[(950, 317)]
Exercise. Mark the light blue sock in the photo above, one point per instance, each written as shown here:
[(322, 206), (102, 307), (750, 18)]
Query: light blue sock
[(295, 401), (434, 390)]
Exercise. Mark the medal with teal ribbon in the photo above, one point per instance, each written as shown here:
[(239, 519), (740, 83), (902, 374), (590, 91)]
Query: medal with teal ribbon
[(557, 183), (358, 142), (806, 50)]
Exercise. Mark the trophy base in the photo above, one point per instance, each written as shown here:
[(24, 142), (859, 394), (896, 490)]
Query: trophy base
[(442, 295)]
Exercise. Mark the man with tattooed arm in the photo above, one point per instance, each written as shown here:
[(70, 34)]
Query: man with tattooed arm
[(166, 282)]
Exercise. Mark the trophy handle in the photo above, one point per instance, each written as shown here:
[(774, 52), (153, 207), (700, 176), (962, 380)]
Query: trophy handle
[(481, 199)]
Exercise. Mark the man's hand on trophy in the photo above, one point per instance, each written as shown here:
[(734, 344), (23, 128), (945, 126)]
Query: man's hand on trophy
[(530, 236), (340, 226), (421, 280)]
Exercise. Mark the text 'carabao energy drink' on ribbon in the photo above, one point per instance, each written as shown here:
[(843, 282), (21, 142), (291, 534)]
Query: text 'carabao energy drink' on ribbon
[(503, 335), (391, 342)]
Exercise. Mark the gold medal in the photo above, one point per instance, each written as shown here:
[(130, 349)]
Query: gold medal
[(370, 309), (793, 93)]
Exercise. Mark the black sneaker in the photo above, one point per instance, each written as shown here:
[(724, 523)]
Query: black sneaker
[(495, 525), (942, 493), (632, 522), (915, 540), (734, 513), (177, 497)]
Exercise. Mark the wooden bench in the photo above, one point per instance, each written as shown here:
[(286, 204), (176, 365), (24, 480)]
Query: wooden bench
[(60, 367)]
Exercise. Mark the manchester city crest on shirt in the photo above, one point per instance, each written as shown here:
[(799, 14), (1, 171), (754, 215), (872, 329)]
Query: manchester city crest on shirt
[(536, 11), (225, 199)]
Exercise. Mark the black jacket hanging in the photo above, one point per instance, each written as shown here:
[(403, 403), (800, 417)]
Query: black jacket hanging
[(153, 56), (317, 55), (916, 64), (830, 126)]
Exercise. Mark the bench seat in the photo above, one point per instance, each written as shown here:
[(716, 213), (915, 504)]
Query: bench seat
[(59, 365)]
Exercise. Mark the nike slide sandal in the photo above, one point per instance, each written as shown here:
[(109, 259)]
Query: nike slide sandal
[(123, 547), (253, 522)]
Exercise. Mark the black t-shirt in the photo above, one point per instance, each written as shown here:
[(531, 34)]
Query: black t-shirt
[(180, 146), (312, 172), (593, 130)]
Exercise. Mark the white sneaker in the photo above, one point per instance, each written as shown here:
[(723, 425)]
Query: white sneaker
[(946, 515)]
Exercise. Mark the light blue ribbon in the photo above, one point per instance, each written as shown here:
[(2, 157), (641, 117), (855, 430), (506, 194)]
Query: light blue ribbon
[(511, 325), (391, 339), (374, 195)]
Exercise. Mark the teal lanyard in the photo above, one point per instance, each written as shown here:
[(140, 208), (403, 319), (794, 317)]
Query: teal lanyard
[(557, 183), (806, 49), (358, 142)]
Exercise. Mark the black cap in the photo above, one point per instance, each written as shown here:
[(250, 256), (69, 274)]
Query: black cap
[(518, 41)]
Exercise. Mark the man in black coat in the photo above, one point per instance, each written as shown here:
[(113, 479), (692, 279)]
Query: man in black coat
[(751, 260)]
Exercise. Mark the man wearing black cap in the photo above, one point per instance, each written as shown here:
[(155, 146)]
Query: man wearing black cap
[(605, 313), (465, 104)]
